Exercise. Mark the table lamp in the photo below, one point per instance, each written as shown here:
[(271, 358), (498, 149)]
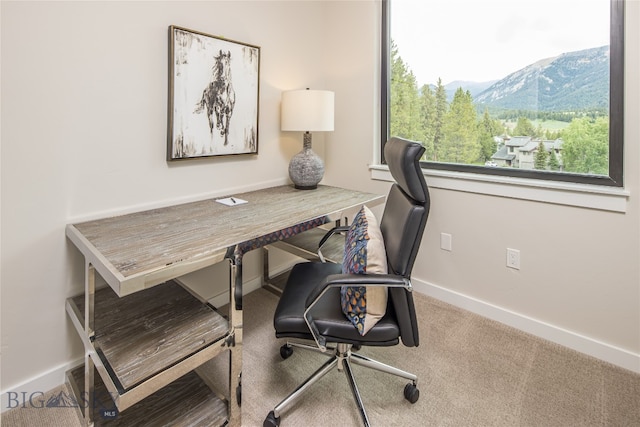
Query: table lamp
[(307, 111)]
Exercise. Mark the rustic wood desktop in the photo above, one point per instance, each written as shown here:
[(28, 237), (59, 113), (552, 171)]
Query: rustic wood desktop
[(147, 346)]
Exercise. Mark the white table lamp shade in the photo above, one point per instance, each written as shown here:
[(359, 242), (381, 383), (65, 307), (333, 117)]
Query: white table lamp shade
[(307, 110)]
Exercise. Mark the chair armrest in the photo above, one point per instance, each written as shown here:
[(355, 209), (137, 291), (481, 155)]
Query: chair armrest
[(386, 280), (327, 236), (335, 280)]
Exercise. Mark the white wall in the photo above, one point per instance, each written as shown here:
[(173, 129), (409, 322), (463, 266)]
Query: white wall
[(579, 283), (84, 106), (84, 89)]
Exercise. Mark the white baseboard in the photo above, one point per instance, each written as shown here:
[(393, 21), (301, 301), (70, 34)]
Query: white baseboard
[(247, 287), (30, 393), (255, 283), (583, 344)]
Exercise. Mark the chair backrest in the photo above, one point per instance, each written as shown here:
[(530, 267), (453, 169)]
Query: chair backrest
[(402, 225)]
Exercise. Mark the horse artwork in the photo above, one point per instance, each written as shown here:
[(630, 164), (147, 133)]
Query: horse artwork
[(219, 97), (213, 96)]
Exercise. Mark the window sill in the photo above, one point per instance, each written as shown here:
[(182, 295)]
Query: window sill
[(561, 193)]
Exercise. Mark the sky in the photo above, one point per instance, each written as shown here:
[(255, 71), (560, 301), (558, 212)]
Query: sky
[(482, 40)]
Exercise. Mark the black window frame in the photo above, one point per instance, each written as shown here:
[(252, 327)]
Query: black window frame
[(616, 112)]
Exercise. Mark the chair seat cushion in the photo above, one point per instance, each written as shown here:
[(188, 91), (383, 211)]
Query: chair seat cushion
[(334, 326), (364, 253)]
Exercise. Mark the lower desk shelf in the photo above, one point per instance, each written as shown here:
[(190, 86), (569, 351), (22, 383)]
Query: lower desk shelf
[(186, 402), (146, 340)]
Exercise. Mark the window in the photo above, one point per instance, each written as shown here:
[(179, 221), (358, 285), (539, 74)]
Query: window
[(543, 100)]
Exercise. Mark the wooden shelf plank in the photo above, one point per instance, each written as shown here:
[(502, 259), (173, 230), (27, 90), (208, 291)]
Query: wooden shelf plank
[(187, 402), (143, 333)]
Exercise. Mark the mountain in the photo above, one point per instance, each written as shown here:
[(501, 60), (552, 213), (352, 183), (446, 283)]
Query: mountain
[(474, 88), (568, 82)]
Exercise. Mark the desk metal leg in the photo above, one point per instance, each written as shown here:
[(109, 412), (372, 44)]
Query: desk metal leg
[(235, 346), (272, 284), (89, 330)]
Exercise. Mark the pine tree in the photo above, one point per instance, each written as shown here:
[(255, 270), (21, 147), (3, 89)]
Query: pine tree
[(438, 123), (428, 116), (487, 130), (405, 110), (524, 127), (554, 164), (460, 131), (540, 161)]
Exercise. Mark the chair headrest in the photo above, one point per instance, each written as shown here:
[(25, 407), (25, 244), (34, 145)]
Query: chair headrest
[(403, 157)]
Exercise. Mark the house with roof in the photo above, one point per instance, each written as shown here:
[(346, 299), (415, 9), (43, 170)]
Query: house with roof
[(527, 153), (520, 151)]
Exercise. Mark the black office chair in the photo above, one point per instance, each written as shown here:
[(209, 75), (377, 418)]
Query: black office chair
[(310, 306)]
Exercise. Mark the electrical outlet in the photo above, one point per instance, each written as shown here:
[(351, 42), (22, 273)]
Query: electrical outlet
[(513, 258), (446, 241)]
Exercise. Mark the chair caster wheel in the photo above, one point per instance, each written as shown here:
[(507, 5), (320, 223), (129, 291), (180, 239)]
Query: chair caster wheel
[(286, 351), (411, 393), (271, 420)]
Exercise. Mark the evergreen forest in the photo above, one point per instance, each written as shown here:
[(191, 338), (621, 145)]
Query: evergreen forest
[(461, 131)]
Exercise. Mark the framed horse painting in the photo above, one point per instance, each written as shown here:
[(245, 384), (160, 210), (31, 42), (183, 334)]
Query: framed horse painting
[(213, 96)]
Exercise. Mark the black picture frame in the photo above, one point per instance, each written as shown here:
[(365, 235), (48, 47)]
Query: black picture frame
[(214, 89)]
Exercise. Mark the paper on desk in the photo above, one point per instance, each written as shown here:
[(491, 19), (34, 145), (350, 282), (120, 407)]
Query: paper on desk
[(231, 201)]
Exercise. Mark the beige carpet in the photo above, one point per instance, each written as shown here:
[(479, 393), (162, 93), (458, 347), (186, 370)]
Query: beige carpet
[(472, 372)]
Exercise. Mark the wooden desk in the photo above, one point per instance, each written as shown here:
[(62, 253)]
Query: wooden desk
[(142, 250)]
